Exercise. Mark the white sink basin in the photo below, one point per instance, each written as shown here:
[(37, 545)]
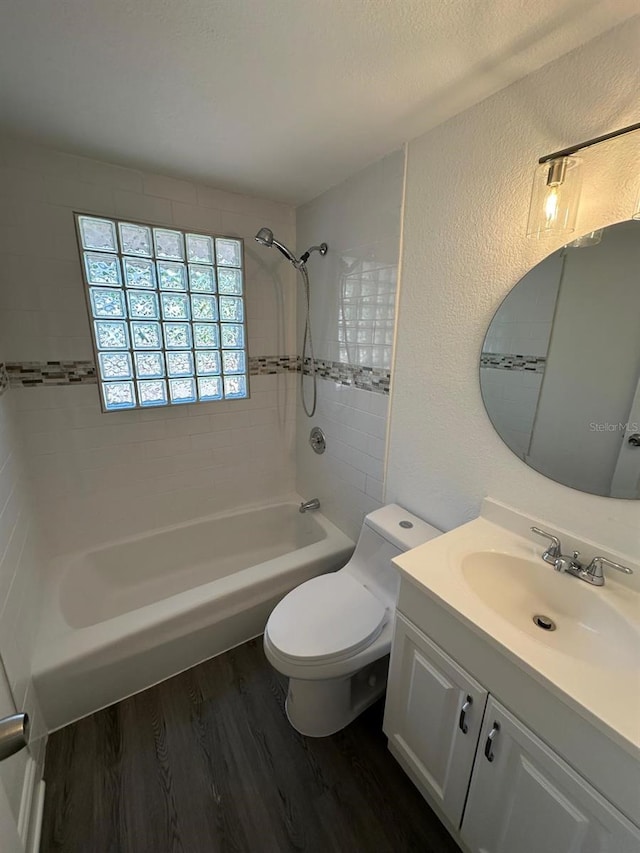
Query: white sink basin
[(587, 627), (489, 574)]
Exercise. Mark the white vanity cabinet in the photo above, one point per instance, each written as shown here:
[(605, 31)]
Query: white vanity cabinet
[(524, 798), (494, 783), (433, 717)]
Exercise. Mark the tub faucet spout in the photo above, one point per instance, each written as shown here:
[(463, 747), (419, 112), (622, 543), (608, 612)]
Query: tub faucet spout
[(306, 506)]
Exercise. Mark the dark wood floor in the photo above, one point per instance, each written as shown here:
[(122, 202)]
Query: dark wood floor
[(207, 762)]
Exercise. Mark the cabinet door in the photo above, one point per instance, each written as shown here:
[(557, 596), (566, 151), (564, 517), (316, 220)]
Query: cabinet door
[(524, 798), (432, 718)]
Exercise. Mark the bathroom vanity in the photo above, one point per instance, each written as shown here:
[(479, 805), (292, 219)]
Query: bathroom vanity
[(520, 739)]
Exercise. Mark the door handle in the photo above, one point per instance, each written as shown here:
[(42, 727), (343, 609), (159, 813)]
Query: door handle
[(634, 439), (488, 752), (462, 725), (14, 732)]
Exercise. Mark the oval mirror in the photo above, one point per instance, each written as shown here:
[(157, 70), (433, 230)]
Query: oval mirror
[(560, 364)]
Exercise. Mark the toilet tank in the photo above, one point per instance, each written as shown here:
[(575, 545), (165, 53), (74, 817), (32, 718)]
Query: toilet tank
[(386, 533)]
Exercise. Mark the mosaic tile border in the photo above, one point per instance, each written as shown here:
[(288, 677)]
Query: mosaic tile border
[(4, 378), (25, 374), (29, 374), (269, 364), (512, 361), (373, 379)]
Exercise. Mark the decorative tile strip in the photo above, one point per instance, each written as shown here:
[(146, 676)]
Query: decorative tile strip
[(24, 374), (28, 374), (366, 378), (264, 364), (4, 378), (511, 361)]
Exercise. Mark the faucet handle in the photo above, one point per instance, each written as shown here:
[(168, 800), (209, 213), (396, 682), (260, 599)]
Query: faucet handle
[(595, 567), (554, 551)]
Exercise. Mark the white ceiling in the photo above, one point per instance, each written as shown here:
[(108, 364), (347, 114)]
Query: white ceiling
[(280, 98)]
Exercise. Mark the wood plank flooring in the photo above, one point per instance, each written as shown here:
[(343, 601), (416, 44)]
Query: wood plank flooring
[(208, 763)]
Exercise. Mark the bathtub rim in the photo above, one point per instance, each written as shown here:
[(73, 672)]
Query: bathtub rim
[(57, 641), (76, 564)]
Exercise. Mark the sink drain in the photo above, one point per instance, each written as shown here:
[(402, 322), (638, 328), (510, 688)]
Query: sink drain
[(544, 622)]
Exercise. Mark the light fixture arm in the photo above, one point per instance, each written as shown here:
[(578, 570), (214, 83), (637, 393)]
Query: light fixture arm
[(567, 152)]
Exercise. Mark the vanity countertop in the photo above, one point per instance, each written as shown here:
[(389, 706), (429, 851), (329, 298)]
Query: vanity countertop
[(603, 687)]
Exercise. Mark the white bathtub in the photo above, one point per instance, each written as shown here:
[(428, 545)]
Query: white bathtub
[(125, 616)]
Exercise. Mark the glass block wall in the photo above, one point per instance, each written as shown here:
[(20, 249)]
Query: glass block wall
[(167, 313)]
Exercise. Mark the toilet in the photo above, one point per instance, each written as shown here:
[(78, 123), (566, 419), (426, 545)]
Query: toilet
[(331, 636)]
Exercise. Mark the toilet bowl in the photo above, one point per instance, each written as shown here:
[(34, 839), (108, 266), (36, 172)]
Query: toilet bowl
[(331, 636)]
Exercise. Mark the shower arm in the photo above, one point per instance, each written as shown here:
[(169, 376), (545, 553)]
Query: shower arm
[(322, 249)]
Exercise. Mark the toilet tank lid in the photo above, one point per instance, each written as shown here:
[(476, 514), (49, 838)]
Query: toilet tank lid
[(392, 522)]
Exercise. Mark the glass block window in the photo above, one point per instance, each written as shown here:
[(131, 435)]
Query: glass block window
[(366, 312), (167, 313)]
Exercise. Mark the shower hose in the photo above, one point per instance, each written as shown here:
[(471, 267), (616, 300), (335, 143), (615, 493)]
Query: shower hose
[(308, 343)]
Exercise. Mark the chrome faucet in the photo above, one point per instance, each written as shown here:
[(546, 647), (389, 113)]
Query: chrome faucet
[(306, 506), (591, 574)]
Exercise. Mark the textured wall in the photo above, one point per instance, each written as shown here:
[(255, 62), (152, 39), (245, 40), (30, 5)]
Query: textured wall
[(468, 186)]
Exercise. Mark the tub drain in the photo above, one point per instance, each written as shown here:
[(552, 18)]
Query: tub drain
[(544, 622)]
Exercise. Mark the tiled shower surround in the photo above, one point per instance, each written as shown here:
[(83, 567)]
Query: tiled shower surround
[(96, 477), (100, 477), (353, 299)]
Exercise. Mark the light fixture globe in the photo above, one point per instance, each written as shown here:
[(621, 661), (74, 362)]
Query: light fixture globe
[(555, 197)]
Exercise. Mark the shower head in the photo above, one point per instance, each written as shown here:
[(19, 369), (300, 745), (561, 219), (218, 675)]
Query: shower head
[(266, 238)]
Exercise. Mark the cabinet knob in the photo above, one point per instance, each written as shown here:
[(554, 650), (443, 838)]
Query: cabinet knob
[(464, 728), (488, 751)]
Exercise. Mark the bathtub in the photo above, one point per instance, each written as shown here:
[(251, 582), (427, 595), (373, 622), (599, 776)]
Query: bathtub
[(122, 617)]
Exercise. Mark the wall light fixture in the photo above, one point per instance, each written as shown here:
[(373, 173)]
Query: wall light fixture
[(557, 182)]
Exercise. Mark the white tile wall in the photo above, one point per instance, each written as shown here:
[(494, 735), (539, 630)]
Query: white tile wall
[(98, 475), (353, 295), (42, 309), (348, 476), (353, 288)]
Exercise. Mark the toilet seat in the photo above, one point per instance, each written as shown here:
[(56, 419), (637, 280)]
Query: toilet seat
[(327, 618)]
